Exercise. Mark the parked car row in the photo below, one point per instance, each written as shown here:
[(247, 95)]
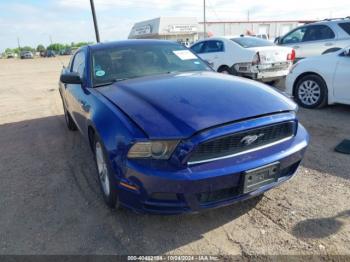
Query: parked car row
[(320, 51)]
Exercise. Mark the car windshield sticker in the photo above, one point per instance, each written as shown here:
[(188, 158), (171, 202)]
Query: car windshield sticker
[(185, 55), (100, 73)]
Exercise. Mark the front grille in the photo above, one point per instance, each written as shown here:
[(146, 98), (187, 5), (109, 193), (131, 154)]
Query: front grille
[(229, 193), (243, 141)]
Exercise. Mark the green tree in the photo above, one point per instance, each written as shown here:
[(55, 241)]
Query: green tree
[(27, 48), (40, 48), (8, 50), (57, 47), (80, 44)]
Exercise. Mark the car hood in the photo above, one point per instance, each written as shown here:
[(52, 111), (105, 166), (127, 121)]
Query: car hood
[(179, 105)]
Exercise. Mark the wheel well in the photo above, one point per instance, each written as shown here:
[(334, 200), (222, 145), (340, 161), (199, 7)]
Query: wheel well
[(306, 74), (91, 133), (222, 67)]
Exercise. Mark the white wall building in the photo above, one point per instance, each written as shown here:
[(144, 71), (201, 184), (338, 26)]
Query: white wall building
[(182, 28), (271, 28), (167, 28)]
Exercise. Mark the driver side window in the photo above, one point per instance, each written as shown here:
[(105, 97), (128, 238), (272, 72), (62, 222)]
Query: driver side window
[(294, 37), (79, 64)]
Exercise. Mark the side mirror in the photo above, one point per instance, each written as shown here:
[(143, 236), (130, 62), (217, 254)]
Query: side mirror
[(277, 40), (71, 78)]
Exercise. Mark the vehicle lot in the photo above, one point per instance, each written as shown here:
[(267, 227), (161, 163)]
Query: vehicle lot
[(50, 201)]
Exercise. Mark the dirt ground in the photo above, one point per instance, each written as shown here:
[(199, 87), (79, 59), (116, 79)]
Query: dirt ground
[(50, 201)]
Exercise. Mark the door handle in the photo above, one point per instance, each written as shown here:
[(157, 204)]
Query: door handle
[(296, 47), (328, 44)]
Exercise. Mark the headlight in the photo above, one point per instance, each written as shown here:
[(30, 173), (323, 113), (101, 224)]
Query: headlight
[(153, 149)]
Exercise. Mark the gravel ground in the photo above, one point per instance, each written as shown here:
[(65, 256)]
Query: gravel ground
[(50, 201)]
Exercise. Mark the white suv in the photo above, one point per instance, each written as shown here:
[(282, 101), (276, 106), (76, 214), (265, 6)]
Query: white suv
[(318, 38)]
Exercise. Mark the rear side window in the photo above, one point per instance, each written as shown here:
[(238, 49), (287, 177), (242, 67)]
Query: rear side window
[(345, 27), (318, 32), (213, 47), (198, 48)]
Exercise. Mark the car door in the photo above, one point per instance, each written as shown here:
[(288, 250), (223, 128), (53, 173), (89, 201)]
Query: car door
[(310, 40), (317, 39), (77, 93), (341, 81), (211, 51)]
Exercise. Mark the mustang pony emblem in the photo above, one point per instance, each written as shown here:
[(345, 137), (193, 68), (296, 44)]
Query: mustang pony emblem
[(248, 140)]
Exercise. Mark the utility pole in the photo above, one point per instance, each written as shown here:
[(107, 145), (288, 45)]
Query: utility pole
[(205, 19), (248, 16), (95, 21), (19, 46)]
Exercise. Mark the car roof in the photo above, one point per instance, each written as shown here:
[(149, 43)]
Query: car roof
[(330, 21), (134, 42)]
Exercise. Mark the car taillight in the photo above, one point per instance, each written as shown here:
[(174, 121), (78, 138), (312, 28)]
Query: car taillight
[(291, 56), (256, 59)]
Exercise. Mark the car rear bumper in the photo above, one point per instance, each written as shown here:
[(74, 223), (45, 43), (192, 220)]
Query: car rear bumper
[(264, 72), (209, 185)]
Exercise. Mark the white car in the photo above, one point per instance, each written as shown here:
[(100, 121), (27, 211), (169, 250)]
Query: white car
[(318, 38), (246, 56), (317, 81)]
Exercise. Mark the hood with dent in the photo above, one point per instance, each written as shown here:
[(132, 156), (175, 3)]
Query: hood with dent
[(178, 105)]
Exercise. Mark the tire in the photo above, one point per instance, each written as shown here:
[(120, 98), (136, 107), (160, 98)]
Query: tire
[(311, 92), (106, 180), (224, 70), (69, 120)]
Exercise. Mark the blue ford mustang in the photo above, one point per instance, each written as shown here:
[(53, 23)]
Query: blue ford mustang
[(169, 135)]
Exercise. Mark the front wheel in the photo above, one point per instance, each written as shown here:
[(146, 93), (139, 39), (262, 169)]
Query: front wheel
[(69, 121), (311, 92), (105, 177)]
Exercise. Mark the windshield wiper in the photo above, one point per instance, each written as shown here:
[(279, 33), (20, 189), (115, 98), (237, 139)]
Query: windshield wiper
[(110, 82)]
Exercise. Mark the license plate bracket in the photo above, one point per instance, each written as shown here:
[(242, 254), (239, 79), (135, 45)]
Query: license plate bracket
[(262, 176)]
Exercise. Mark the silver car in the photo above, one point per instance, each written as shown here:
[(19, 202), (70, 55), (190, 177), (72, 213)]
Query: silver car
[(318, 38)]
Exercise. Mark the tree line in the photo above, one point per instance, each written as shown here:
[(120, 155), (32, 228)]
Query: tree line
[(56, 47)]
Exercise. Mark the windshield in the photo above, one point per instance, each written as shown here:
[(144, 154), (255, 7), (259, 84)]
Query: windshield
[(248, 42), (133, 61)]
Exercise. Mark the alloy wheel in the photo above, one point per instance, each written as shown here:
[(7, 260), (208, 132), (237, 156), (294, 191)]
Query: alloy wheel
[(309, 92), (102, 169)]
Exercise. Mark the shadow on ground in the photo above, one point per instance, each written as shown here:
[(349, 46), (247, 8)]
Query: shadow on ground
[(327, 127), (321, 227), (51, 202)]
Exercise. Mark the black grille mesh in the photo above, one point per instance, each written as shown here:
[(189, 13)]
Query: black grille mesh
[(237, 143)]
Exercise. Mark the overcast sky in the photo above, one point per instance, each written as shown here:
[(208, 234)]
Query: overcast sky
[(34, 21)]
